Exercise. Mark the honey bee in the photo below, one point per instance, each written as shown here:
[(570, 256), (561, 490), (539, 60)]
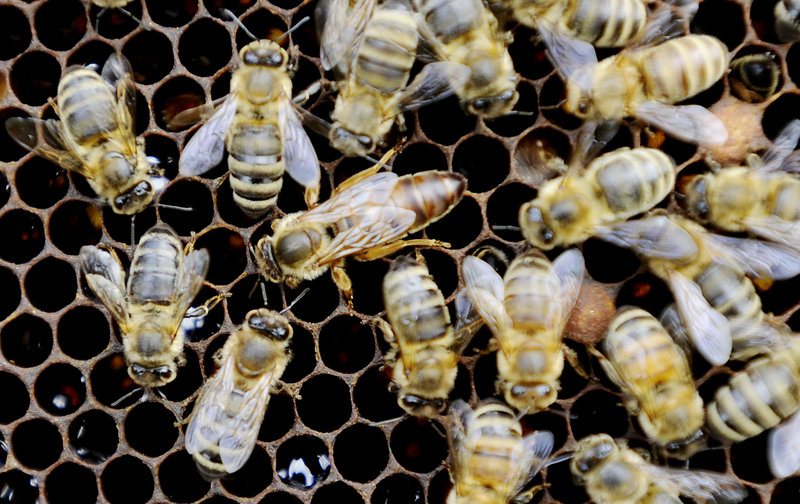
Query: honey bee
[(654, 375), (261, 129), (787, 16), (491, 462), (762, 198), (526, 312), (94, 135), (706, 274), (613, 188), (366, 216), (612, 24), (759, 397), (754, 77), (466, 32), (226, 419), (375, 90), (164, 279), (420, 333), (612, 473), (643, 82)]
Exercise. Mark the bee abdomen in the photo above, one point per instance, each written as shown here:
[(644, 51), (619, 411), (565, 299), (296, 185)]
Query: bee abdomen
[(430, 195), (729, 291), (755, 399), (613, 23), (682, 67), (387, 51), (497, 434), (155, 267), (256, 166), (633, 181), (529, 287), (450, 19), (86, 105), (415, 305)]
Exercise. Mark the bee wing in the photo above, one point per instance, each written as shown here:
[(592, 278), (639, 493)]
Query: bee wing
[(45, 138), (299, 156), (708, 328), (485, 288), (567, 54), (343, 30), (569, 269), (205, 149), (754, 337), (459, 418), (118, 73), (360, 197), (195, 268), (783, 145), (783, 447), (532, 453), (773, 228), (689, 123), (702, 486), (106, 278), (468, 321), (208, 415), (646, 237), (757, 258), (436, 81)]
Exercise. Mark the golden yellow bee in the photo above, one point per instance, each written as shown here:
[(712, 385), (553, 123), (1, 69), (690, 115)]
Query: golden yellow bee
[(366, 216), (612, 473), (261, 129), (787, 13), (654, 375), (754, 77), (374, 92), (706, 274), (763, 395), (164, 279), (526, 312), (490, 461), (643, 82), (762, 198), (424, 345), (466, 32), (94, 135), (226, 419), (613, 188)]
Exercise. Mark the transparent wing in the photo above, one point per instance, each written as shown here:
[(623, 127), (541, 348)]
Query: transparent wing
[(783, 447), (360, 196), (485, 288), (459, 418), (689, 123), (436, 81), (468, 321), (45, 138), (299, 157), (707, 328), (569, 268), (119, 75), (773, 228), (343, 30), (106, 278), (783, 145), (195, 268), (655, 237), (757, 258), (205, 149), (532, 452), (758, 336), (568, 54), (702, 486)]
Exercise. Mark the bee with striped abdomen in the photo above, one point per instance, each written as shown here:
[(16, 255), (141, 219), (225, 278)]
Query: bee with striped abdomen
[(654, 375), (94, 135), (164, 279), (612, 473), (366, 216), (226, 419), (526, 312), (261, 129), (490, 461)]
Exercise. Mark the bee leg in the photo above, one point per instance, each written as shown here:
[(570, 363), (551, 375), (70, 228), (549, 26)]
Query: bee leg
[(342, 281), (203, 309), (281, 387), (605, 364), (312, 196), (572, 358), (97, 19), (391, 248)]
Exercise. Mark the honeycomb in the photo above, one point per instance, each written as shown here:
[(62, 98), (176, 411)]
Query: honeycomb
[(338, 435)]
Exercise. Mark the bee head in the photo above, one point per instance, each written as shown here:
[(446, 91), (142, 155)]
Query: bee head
[(263, 53), (135, 200), (695, 193), (536, 231), (580, 101), (350, 143), (267, 264), (493, 106), (533, 397), (592, 451), (421, 406), (270, 324), (158, 376)]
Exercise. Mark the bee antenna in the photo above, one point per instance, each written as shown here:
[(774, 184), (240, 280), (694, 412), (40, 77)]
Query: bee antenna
[(386, 422), (264, 292), (293, 28), (559, 459), (115, 403), (552, 107), (522, 113), (175, 207), (305, 291), (132, 17), (236, 20), (499, 227), (133, 233)]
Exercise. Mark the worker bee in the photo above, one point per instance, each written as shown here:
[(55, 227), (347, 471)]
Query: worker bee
[(612, 473), (366, 216), (375, 90), (754, 77), (261, 129), (466, 32), (613, 188), (421, 335), (654, 375), (164, 279), (787, 20), (491, 462), (759, 397), (612, 24), (706, 274), (526, 312), (94, 135), (762, 198), (643, 82), (225, 421)]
